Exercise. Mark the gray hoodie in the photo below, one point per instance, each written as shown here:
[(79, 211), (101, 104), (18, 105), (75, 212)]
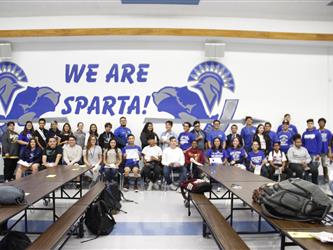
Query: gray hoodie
[(298, 155), (9, 144)]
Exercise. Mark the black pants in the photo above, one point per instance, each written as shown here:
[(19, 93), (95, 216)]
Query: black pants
[(196, 172), (301, 173), (9, 168), (152, 171)]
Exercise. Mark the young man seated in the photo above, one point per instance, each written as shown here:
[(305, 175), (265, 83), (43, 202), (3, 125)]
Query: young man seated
[(257, 160), (31, 158), (300, 160), (52, 153), (173, 159), (193, 156), (277, 163), (132, 156), (152, 155), (72, 152)]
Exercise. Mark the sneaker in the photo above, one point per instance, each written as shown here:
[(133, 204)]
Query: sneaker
[(156, 186), (150, 186), (136, 188), (125, 188), (218, 189), (173, 187)]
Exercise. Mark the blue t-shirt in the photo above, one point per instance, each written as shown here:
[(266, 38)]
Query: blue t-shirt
[(326, 137), (236, 154), (273, 137), (210, 153), (25, 138), (256, 158), (285, 139), (185, 140), (133, 154), (216, 133), (121, 134), (247, 135), (292, 129)]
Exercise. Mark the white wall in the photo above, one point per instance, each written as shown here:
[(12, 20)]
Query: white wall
[(270, 79)]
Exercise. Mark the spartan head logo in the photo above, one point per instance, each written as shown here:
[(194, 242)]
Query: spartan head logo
[(22, 103), (209, 78), (10, 76)]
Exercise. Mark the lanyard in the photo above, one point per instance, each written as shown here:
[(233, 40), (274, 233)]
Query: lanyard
[(93, 153)]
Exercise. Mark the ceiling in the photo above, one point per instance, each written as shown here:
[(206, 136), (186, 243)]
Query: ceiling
[(317, 10)]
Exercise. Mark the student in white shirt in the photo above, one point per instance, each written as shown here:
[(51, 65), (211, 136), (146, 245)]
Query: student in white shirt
[(277, 162), (72, 153), (173, 159), (152, 163)]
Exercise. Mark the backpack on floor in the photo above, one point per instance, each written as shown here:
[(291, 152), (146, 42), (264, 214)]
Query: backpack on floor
[(293, 199), (198, 186), (112, 196), (98, 219), (14, 240)]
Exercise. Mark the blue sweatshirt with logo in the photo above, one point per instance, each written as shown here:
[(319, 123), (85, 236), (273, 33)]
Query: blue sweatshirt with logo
[(247, 134), (326, 137), (311, 140)]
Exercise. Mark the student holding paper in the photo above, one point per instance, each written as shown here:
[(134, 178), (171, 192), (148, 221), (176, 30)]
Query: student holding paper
[(257, 160), (194, 156), (237, 154), (31, 158), (112, 159), (216, 154)]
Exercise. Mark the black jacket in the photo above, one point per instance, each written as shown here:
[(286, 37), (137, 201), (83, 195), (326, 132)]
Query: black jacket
[(229, 140), (144, 138), (267, 140), (104, 139)]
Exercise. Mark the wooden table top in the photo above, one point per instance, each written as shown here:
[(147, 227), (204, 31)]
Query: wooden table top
[(39, 185)]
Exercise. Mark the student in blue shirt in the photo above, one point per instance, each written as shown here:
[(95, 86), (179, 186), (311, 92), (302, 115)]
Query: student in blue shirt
[(122, 132), (292, 128), (30, 158), (285, 137), (257, 159), (132, 156), (186, 138), (311, 140), (247, 133), (25, 136), (216, 132), (271, 133), (326, 137), (216, 152), (237, 155)]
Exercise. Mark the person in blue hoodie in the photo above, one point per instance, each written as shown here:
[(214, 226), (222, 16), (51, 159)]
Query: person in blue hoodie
[(292, 128), (256, 160), (30, 158), (247, 133), (326, 137), (186, 138), (285, 137), (311, 140), (122, 132)]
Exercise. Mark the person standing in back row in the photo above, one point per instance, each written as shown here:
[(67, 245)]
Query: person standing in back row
[(10, 151), (166, 135), (216, 132), (292, 128), (326, 137), (105, 138), (41, 134), (247, 133), (80, 135), (200, 135), (122, 132)]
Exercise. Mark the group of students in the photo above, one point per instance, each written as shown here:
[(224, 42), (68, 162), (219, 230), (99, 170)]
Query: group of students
[(284, 153)]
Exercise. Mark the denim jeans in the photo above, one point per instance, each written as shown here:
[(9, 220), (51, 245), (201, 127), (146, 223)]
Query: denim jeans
[(167, 172)]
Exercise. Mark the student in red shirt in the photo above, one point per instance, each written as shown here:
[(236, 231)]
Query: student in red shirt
[(193, 156)]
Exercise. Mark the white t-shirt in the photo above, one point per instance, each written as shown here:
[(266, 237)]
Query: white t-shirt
[(262, 141), (277, 158), (149, 151), (173, 155)]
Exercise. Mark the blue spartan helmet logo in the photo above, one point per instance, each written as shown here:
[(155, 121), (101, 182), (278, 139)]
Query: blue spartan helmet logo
[(30, 103), (209, 78)]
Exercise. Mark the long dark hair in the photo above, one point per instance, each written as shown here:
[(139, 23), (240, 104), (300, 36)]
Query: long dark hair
[(220, 148), (70, 128), (145, 128), (239, 143), (116, 148), (29, 144), (91, 132), (26, 130), (257, 129)]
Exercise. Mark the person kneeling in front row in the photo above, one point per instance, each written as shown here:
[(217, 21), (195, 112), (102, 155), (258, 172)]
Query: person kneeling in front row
[(152, 163), (173, 159)]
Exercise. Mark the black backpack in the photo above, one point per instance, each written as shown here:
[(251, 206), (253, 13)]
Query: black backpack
[(293, 199), (98, 219), (14, 240)]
